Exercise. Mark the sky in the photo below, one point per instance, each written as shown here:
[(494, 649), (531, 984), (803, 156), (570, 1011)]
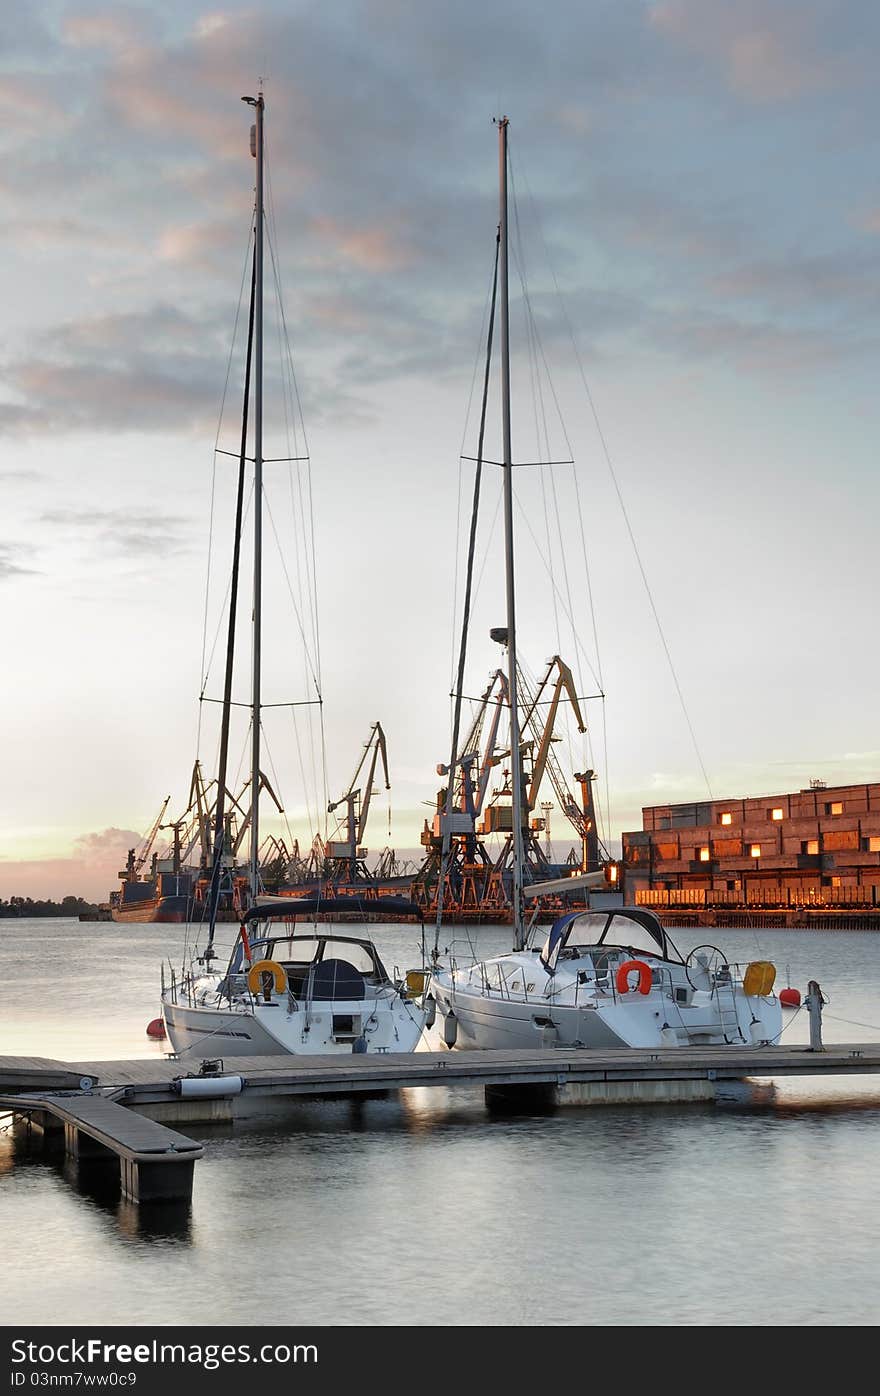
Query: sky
[(697, 231)]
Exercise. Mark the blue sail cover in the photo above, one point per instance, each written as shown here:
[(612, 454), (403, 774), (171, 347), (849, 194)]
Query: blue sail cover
[(270, 907)]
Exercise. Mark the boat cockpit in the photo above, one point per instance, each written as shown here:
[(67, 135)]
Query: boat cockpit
[(313, 962), (597, 934)]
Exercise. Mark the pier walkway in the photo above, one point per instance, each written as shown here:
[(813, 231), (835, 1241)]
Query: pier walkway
[(156, 1163), (115, 1106)]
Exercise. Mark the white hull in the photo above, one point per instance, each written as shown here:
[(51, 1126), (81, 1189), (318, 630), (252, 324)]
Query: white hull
[(487, 1022), (385, 1025)]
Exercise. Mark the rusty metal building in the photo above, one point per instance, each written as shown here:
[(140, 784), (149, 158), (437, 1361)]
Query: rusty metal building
[(816, 847)]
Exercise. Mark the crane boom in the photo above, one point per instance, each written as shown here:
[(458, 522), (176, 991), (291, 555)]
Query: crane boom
[(377, 738), (151, 838)]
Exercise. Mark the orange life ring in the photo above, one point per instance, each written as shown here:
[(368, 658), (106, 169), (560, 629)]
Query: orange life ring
[(646, 977), (255, 976)]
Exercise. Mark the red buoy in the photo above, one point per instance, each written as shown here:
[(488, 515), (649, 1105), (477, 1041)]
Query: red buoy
[(790, 998), (156, 1028)]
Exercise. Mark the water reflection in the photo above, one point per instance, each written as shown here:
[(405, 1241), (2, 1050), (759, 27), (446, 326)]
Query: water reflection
[(410, 1209), (155, 1221)]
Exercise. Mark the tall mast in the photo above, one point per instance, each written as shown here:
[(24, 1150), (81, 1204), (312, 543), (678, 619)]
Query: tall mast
[(515, 753), (259, 105)]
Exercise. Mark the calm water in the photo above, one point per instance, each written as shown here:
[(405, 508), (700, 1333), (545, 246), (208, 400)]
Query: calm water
[(425, 1210)]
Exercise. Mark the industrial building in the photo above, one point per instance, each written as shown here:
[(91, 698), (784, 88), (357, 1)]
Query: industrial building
[(817, 848)]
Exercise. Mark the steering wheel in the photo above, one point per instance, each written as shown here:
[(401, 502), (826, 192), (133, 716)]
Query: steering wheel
[(707, 959)]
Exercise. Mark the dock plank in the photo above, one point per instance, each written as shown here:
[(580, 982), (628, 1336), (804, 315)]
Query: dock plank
[(337, 1074), (117, 1128), (40, 1074)]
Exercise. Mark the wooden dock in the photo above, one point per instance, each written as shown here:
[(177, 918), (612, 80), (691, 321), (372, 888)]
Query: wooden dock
[(156, 1163), (116, 1106)]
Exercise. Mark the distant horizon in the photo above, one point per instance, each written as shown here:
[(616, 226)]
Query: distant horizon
[(69, 877)]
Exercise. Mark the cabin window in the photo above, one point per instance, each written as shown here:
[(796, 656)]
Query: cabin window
[(354, 954), (299, 950), (810, 846), (492, 976), (704, 853), (835, 882), (727, 819), (776, 813), (755, 850), (834, 807), (874, 843)]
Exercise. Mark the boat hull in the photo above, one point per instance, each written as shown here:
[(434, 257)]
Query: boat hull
[(504, 1023), (171, 910), (269, 1029)]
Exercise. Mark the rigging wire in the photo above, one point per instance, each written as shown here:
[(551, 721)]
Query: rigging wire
[(222, 613), (466, 608), (307, 512), (535, 347), (458, 520), (307, 601), (220, 412), (617, 489)]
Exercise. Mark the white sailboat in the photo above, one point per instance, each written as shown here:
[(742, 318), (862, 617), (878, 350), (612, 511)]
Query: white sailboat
[(287, 987), (600, 978)]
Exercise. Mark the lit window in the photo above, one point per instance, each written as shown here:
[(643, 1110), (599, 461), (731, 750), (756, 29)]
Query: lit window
[(836, 807), (727, 819), (874, 844), (704, 854), (812, 846), (776, 814), (835, 882), (755, 851)]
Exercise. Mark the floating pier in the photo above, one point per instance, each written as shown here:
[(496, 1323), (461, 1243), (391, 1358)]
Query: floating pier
[(121, 1107), (156, 1163)]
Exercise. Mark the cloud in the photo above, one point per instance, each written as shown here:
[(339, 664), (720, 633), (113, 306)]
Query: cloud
[(768, 52), (156, 369), (16, 476), (112, 843), (838, 280), (38, 236), (130, 532), (381, 155), (28, 107), (116, 30), (90, 872), (9, 566), (372, 246)]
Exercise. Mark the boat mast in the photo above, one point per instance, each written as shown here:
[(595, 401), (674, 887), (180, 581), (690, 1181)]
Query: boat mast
[(258, 104), (515, 752)]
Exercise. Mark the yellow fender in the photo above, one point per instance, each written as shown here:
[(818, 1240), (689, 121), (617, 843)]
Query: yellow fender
[(759, 979), (256, 972)]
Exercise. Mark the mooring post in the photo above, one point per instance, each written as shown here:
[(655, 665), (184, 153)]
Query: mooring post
[(814, 1003)]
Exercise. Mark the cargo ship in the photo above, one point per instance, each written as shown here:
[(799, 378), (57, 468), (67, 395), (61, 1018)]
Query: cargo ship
[(171, 889)]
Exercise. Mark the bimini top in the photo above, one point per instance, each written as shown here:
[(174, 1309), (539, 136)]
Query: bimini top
[(632, 927), (268, 908)]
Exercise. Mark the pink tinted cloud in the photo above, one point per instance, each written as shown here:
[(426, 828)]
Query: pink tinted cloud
[(372, 247), (189, 90), (89, 872), (26, 104), (108, 29), (770, 53), (194, 242)]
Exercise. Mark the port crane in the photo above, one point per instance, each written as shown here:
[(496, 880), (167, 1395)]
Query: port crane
[(345, 850), (475, 879), (136, 861)]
